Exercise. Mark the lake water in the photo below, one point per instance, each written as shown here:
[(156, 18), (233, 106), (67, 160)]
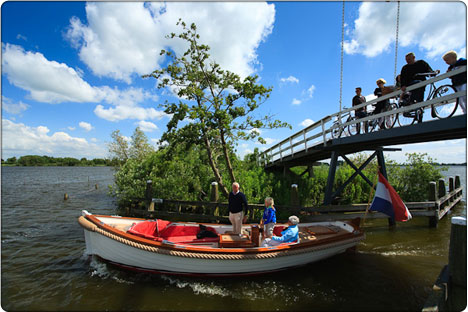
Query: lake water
[(44, 265)]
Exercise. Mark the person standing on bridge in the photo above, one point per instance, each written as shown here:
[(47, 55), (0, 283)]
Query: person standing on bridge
[(409, 76), (382, 105), (458, 81), (360, 112), (237, 205)]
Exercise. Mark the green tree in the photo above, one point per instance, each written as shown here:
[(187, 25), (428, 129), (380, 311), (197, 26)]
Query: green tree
[(11, 160), (122, 151), (411, 181), (218, 103), (119, 147), (178, 173)]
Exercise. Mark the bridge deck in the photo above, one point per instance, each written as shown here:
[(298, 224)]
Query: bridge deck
[(434, 130)]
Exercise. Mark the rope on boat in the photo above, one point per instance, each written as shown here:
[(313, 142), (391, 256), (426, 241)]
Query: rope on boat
[(200, 255)]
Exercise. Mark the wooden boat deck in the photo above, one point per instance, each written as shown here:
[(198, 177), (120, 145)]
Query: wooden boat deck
[(320, 232), (306, 234)]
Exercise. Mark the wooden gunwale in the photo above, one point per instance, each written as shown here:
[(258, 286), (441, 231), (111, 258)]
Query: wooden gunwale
[(198, 249)]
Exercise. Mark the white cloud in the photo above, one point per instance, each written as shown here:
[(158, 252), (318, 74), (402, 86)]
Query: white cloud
[(63, 84), (291, 79), (13, 108), (71, 128), (450, 151), (306, 122), (147, 126), (296, 102), (27, 70), (21, 37), (19, 139), (258, 131), (435, 27), (122, 112), (86, 126), (121, 39), (268, 141), (310, 91)]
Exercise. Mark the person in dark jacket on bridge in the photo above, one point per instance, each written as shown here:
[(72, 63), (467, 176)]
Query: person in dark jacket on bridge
[(360, 112), (458, 81), (380, 106), (409, 75)]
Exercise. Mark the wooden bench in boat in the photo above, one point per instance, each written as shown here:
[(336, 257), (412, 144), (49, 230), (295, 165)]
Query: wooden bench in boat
[(235, 241)]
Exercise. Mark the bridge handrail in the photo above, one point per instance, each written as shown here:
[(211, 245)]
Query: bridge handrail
[(321, 123)]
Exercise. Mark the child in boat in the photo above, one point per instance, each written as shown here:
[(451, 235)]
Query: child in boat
[(268, 220), (289, 235)]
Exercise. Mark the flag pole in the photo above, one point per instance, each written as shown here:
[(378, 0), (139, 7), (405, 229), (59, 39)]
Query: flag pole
[(370, 196)]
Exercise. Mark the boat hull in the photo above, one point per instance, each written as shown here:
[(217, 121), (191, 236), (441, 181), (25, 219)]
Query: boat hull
[(119, 253), (105, 240)]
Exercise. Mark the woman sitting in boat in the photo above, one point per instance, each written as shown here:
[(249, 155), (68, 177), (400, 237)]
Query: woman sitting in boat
[(289, 235)]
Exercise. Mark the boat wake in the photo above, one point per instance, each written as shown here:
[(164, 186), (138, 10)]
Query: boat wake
[(99, 269), (198, 287)]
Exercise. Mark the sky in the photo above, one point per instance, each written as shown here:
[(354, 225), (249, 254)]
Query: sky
[(72, 71)]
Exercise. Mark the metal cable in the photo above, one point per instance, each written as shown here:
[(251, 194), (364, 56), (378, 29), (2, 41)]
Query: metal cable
[(396, 41), (342, 43)]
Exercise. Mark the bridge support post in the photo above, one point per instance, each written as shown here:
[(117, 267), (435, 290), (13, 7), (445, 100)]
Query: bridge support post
[(331, 178)]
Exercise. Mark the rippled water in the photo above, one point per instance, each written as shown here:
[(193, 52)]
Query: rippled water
[(44, 266)]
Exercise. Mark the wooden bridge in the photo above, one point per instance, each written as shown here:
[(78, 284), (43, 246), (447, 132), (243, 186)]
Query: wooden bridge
[(315, 142)]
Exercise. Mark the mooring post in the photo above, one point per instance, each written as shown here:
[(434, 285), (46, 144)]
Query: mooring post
[(457, 265), (149, 195), (442, 190), (457, 185), (294, 196), (433, 220), (451, 188), (214, 197)]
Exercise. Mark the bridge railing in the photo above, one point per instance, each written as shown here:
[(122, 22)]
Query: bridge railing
[(320, 131)]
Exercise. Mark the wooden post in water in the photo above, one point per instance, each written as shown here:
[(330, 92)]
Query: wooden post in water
[(294, 196), (433, 220), (457, 181), (442, 191), (149, 195), (214, 197), (457, 265), (457, 185), (451, 188)]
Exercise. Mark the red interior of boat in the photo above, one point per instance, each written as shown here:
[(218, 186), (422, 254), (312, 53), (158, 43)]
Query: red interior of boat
[(278, 229), (163, 230)]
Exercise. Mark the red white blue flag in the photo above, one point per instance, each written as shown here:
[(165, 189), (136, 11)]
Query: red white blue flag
[(386, 200)]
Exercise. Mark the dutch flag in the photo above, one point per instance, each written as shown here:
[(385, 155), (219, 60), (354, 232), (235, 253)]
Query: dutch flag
[(386, 200)]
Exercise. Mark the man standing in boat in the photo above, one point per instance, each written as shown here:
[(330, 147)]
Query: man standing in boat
[(237, 206)]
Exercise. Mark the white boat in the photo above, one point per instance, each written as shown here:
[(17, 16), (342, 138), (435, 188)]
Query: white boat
[(173, 247)]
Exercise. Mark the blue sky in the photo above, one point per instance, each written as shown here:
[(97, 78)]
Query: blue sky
[(71, 71)]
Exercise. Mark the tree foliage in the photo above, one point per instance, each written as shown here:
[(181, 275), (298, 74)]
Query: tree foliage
[(218, 103), (123, 149), (411, 180), (36, 160)]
